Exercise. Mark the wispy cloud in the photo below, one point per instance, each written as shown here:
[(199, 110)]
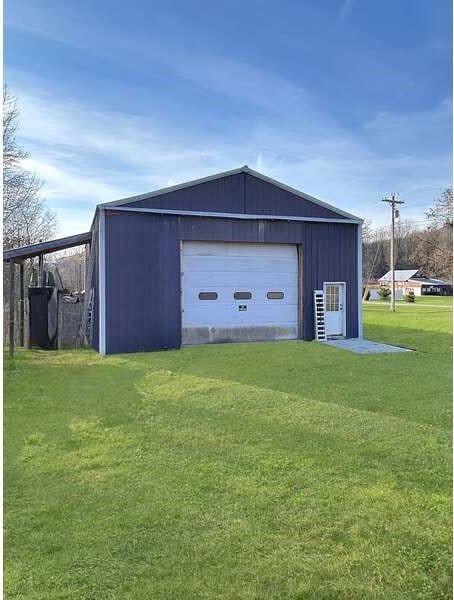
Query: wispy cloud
[(87, 154), (430, 128), (346, 8)]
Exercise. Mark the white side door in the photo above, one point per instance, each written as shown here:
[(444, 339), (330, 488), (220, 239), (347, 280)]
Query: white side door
[(334, 294)]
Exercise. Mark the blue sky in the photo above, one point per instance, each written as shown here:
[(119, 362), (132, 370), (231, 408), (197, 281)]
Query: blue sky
[(347, 100)]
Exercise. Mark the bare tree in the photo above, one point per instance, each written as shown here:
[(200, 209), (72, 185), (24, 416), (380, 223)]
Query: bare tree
[(437, 238), (71, 267), (26, 219), (440, 214)]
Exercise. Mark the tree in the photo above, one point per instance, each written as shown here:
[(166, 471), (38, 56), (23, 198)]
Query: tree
[(438, 236), (26, 219), (440, 215)]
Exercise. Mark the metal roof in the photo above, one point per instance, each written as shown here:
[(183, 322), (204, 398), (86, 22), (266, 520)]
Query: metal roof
[(244, 169), (47, 247), (400, 275), (429, 281)]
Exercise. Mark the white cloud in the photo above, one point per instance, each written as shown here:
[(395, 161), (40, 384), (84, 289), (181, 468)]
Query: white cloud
[(87, 155)]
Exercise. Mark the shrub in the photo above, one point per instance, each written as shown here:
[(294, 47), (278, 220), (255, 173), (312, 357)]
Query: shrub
[(410, 296), (384, 292)]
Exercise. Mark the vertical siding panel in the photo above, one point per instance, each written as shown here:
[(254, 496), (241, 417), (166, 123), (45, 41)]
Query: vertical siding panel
[(267, 199), (308, 282), (95, 314), (220, 195), (143, 270), (240, 193)]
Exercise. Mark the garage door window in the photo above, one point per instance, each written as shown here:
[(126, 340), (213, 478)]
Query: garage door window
[(208, 296), (242, 295), (275, 295)]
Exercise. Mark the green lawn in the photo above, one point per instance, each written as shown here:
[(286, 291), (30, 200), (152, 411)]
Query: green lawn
[(281, 470)]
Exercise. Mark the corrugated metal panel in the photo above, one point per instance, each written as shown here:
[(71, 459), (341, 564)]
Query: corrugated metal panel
[(95, 316), (142, 283), (143, 270), (241, 193), (215, 196), (265, 198)]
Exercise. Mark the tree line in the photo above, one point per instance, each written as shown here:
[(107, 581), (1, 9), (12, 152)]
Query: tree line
[(428, 248)]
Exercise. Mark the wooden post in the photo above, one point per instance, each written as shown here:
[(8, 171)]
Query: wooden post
[(393, 261), (88, 249), (21, 305), (11, 307), (41, 270)]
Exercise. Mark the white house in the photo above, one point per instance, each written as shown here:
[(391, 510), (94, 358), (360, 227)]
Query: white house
[(412, 280)]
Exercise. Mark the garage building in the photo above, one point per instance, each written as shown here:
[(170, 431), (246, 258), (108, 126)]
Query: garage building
[(232, 257)]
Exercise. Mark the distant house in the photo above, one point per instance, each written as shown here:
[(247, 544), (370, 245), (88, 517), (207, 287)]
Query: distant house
[(413, 280)]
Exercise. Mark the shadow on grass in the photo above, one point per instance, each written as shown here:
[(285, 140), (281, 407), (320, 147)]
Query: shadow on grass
[(416, 339)]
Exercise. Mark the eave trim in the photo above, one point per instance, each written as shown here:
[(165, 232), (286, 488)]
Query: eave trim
[(222, 215)]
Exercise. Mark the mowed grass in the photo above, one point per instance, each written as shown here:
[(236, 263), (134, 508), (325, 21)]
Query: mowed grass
[(288, 470)]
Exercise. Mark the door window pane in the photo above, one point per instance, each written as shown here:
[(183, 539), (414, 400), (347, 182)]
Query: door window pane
[(332, 298)]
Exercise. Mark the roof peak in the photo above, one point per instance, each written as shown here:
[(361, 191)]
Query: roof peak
[(243, 169)]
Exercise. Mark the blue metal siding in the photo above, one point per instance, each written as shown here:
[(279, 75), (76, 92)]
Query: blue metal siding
[(142, 283), (264, 198), (219, 195), (95, 317), (143, 270), (241, 193)]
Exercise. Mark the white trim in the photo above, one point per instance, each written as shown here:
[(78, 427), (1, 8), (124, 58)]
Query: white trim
[(360, 280), (344, 305), (181, 291), (244, 169), (102, 281), (226, 215)]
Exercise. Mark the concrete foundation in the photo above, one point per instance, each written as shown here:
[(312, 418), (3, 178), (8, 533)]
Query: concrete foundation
[(218, 335)]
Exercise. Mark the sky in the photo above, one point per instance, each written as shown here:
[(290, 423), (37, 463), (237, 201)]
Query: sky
[(347, 100)]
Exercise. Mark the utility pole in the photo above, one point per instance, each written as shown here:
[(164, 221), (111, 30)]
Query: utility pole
[(394, 214)]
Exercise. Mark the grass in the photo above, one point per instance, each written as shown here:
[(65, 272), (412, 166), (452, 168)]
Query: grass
[(438, 300), (419, 300), (289, 470)]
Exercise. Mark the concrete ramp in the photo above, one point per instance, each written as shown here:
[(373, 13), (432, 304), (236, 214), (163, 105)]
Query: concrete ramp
[(361, 346)]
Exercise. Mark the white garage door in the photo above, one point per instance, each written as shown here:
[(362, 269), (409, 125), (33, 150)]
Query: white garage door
[(239, 292)]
